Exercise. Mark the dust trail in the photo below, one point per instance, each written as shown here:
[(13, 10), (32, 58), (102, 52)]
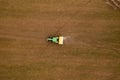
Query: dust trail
[(74, 40)]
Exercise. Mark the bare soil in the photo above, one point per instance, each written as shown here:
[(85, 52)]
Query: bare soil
[(90, 51)]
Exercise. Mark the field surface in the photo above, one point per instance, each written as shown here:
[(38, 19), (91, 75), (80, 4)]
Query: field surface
[(91, 50)]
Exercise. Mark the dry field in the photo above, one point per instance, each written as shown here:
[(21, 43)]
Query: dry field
[(91, 50)]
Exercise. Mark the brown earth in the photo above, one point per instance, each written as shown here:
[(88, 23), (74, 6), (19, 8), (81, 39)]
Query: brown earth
[(91, 51)]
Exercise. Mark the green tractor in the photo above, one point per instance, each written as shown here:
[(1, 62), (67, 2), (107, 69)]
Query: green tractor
[(57, 40)]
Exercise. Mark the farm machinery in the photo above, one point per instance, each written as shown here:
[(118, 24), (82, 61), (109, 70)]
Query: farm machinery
[(57, 40)]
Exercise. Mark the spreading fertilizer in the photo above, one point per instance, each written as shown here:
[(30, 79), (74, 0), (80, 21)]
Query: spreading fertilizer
[(58, 40), (66, 37)]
